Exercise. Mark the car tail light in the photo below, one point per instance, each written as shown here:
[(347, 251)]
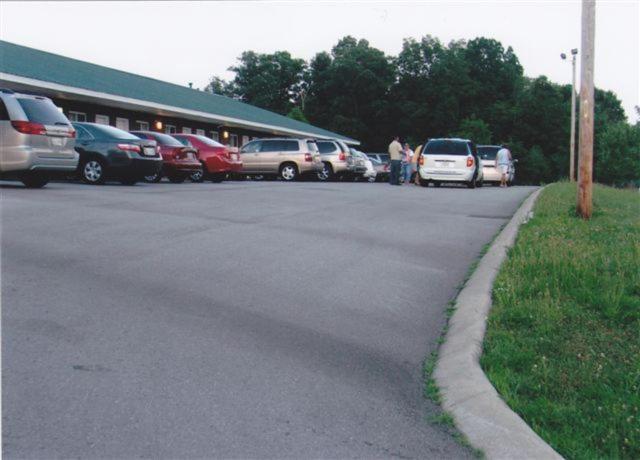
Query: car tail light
[(129, 147), (158, 149), (421, 161), (342, 156), (27, 127), (469, 162), (308, 157)]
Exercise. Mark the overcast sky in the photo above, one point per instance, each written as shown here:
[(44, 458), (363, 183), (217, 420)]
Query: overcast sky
[(190, 41)]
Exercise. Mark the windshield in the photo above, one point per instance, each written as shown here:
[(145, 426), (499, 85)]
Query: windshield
[(488, 152), (42, 111), (446, 147)]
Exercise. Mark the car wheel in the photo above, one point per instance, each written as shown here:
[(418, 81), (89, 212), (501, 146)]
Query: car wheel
[(197, 176), (153, 178), (327, 172), (218, 177), (176, 178), (92, 171), (288, 172), (34, 179)]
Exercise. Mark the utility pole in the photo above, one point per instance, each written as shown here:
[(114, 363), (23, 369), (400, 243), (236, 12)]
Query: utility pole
[(572, 141), (585, 163)]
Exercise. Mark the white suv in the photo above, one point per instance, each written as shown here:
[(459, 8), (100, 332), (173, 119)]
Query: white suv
[(450, 160), (36, 139)]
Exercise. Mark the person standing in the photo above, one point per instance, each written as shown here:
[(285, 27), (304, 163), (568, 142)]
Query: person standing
[(395, 156), (407, 163), (415, 161), (503, 161)]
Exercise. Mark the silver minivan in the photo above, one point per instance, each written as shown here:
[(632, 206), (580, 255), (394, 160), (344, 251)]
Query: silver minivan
[(288, 158), (36, 139)]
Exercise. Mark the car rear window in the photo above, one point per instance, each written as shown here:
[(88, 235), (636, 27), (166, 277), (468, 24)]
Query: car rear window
[(165, 139), (488, 153), (326, 147), (42, 111), (446, 148), (313, 146), (111, 132), (209, 142)]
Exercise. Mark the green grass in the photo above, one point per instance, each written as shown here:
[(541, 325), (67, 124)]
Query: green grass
[(563, 338)]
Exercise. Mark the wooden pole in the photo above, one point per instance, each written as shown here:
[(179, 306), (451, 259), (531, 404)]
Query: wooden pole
[(585, 163), (572, 143)]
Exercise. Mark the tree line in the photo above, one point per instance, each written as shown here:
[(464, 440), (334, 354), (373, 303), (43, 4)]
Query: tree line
[(474, 89)]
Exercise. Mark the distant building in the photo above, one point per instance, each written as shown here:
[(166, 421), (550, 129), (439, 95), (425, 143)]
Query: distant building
[(94, 93)]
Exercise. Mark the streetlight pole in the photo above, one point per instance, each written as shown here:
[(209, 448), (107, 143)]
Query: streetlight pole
[(572, 142), (585, 163)]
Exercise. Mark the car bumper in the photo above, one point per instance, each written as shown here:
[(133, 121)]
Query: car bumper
[(310, 168), (219, 164), (491, 174), (181, 166), (136, 168), (25, 158), (448, 175)]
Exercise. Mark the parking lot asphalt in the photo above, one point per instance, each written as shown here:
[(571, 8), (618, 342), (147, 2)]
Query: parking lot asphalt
[(243, 319)]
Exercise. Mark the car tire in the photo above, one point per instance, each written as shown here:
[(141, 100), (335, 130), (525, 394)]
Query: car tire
[(34, 179), (288, 172), (129, 181), (326, 174), (176, 178), (154, 178), (423, 182), (197, 176), (92, 171), (216, 178)]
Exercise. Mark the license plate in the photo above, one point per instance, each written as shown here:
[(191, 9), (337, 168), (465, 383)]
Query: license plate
[(57, 141), (149, 151)]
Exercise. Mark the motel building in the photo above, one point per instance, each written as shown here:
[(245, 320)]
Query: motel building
[(98, 94)]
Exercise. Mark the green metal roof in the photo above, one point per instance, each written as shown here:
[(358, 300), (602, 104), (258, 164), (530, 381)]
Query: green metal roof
[(40, 65)]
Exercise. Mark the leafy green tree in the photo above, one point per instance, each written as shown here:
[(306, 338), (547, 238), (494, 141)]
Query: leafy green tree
[(218, 85), (474, 129), (617, 155), (297, 114), (270, 81)]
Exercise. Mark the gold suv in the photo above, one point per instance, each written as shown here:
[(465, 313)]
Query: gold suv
[(287, 158)]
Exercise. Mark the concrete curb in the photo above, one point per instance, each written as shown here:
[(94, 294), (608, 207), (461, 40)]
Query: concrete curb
[(479, 412)]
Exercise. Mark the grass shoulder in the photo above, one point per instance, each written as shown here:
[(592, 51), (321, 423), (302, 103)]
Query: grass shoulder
[(563, 338)]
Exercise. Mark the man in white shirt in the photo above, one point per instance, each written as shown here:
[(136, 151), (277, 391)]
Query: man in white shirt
[(395, 156), (503, 161)]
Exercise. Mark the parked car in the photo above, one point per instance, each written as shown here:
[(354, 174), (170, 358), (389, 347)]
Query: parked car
[(450, 160), (178, 161), (217, 161), (381, 157), (111, 153), (287, 158), (36, 139), (336, 161), (382, 169), (369, 172), (487, 154)]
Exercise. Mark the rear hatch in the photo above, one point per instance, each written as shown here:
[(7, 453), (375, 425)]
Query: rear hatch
[(49, 132), (487, 154), (447, 157), (315, 153)]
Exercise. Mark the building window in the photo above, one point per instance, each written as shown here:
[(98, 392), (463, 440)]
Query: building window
[(102, 119), (245, 139), (186, 130), (200, 132), (122, 123), (233, 140), (169, 129), (77, 116), (215, 136), (142, 125)]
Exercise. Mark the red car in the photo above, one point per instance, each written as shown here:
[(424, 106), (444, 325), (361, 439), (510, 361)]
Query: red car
[(178, 161), (216, 159)]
